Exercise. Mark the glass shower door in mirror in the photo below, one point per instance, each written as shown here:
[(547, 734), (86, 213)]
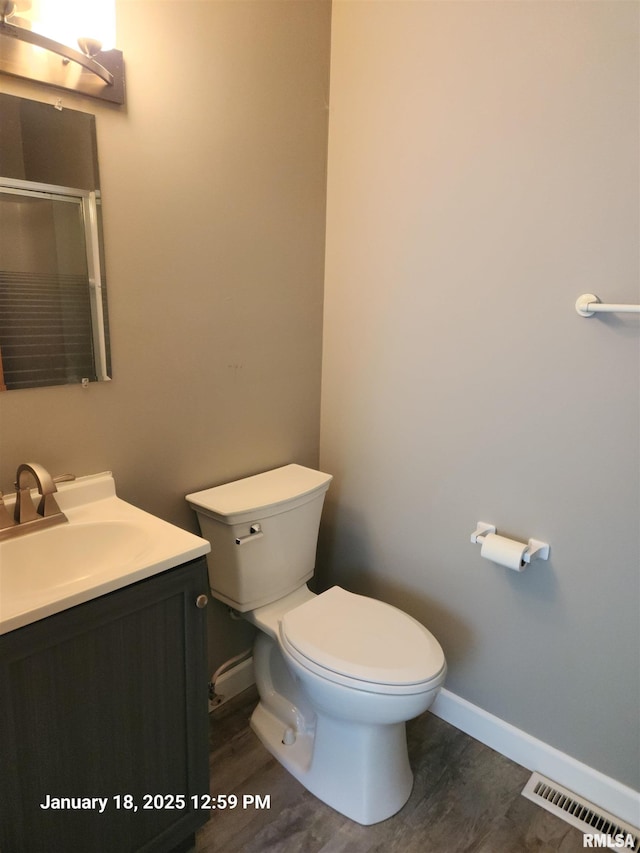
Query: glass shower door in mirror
[(52, 303)]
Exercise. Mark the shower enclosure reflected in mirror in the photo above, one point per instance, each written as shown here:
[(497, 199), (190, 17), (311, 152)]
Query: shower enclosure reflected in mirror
[(53, 308)]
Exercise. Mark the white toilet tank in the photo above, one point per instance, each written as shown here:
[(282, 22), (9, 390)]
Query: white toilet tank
[(263, 532)]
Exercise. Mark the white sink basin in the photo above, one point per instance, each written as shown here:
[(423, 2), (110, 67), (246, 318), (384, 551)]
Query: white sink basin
[(105, 544), (64, 555)]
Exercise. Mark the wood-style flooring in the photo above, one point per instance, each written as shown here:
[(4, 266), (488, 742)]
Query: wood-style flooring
[(466, 797)]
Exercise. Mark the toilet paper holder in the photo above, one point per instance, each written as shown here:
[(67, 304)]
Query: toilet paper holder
[(536, 550)]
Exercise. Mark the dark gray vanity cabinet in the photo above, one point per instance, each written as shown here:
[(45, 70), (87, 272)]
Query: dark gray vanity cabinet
[(105, 706)]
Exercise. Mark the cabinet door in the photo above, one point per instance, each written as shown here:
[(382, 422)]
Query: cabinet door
[(106, 705)]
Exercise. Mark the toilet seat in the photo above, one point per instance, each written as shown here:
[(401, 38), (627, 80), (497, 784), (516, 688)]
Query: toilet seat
[(363, 643)]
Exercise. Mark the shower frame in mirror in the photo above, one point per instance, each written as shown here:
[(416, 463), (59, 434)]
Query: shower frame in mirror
[(88, 201)]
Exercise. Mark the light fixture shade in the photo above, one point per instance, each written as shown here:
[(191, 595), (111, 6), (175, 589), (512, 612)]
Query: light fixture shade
[(63, 43), (97, 20), (67, 21)]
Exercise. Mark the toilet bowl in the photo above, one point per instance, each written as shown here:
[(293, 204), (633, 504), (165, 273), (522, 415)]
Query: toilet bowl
[(338, 674), (341, 727)]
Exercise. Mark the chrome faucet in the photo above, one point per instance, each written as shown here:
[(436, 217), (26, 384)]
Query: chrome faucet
[(27, 516), (25, 510)]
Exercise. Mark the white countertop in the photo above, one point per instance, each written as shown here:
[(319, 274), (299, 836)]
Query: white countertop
[(105, 545)]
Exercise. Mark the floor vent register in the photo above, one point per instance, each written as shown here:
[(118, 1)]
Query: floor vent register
[(587, 817)]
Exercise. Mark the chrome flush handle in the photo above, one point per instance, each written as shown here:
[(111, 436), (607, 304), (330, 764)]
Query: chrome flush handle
[(255, 532)]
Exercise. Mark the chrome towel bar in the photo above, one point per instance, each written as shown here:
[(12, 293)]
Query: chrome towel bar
[(589, 304)]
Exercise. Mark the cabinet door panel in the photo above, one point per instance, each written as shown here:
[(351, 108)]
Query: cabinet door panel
[(107, 701)]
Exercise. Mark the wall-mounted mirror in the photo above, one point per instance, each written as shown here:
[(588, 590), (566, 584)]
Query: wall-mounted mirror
[(53, 305)]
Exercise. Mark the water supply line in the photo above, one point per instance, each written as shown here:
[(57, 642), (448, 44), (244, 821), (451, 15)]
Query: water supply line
[(216, 698)]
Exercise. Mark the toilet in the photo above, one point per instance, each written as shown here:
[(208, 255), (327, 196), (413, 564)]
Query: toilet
[(338, 674)]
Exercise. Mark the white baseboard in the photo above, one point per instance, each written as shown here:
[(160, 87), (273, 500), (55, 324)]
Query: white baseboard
[(621, 801), (234, 681)]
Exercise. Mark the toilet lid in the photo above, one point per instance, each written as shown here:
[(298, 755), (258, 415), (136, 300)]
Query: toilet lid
[(364, 639)]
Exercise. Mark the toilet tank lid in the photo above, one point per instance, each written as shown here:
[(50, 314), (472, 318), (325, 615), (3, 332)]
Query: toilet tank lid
[(364, 639), (260, 495)]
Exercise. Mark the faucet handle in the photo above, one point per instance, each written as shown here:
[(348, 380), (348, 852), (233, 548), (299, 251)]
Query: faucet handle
[(48, 504)]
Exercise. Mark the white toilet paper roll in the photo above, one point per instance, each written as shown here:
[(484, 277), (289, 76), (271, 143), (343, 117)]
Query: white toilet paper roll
[(505, 552)]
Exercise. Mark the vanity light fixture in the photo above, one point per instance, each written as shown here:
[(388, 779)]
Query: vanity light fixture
[(36, 38)]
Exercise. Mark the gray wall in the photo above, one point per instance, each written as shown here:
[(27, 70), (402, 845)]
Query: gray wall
[(483, 173), (213, 179)]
